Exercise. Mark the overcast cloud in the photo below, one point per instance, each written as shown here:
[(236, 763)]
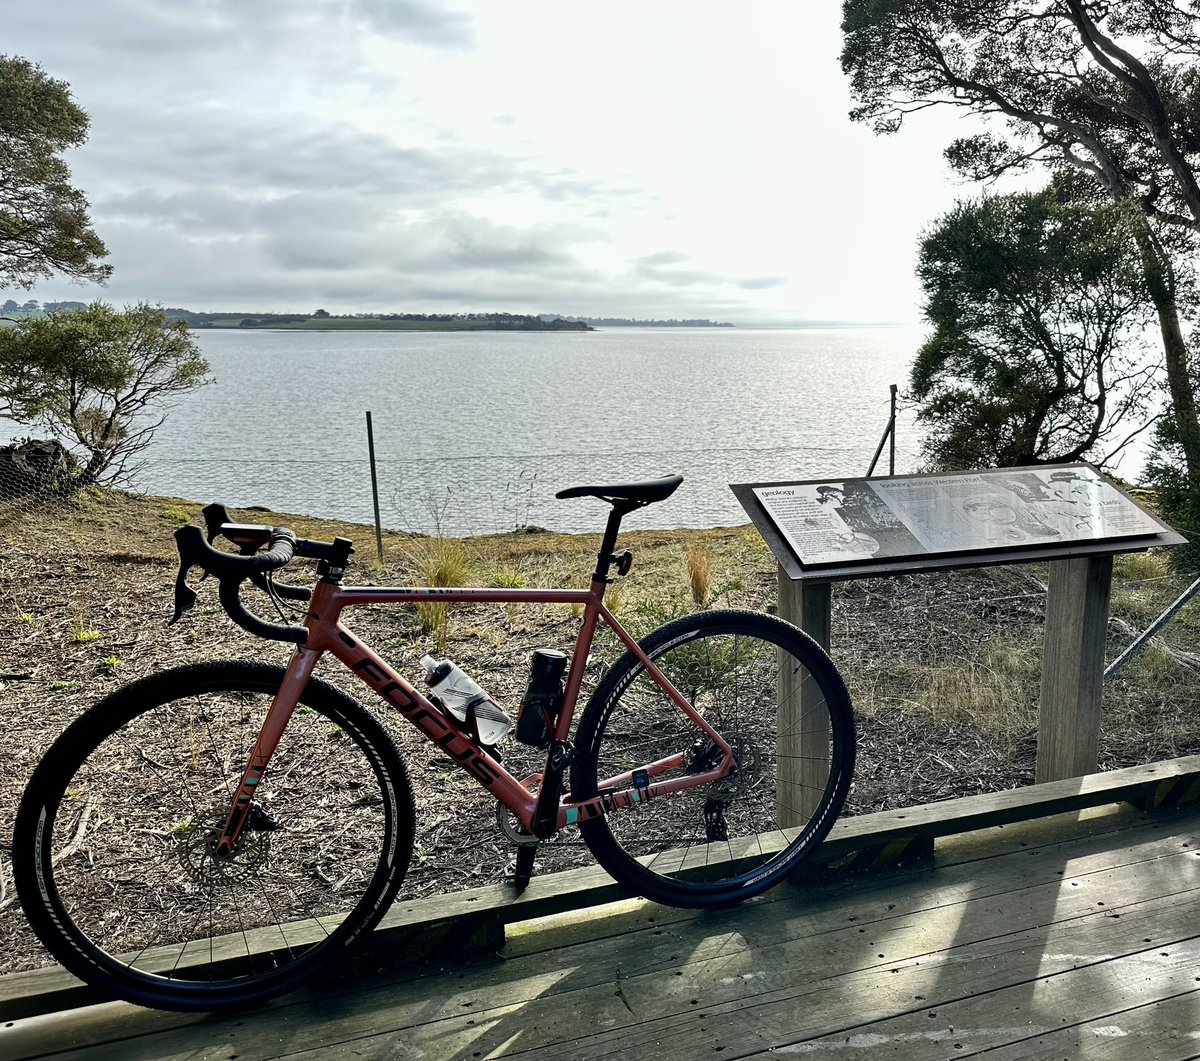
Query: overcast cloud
[(675, 159)]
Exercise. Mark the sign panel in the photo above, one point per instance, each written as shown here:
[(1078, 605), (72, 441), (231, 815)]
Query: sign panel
[(858, 521)]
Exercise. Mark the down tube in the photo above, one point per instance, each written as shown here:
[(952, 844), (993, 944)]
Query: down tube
[(408, 701)]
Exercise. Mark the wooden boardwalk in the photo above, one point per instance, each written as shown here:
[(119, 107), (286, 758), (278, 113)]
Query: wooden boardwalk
[(1074, 936)]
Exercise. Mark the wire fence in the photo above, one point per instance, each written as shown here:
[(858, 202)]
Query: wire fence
[(497, 493), (34, 473)]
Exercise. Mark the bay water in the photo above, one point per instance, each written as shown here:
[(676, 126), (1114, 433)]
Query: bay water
[(475, 431)]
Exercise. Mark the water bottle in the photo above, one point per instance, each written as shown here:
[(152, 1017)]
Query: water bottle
[(543, 698), (456, 693)]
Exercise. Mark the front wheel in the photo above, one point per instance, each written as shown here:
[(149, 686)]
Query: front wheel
[(113, 848), (776, 699)]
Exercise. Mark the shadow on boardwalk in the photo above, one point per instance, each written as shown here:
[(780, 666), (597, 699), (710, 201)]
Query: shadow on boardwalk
[(1066, 937)]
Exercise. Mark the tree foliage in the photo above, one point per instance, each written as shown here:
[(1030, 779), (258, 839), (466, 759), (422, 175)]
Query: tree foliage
[(44, 224), (1106, 95), (1037, 310), (99, 379)]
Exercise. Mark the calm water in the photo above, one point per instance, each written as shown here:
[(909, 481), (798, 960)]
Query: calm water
[(474, 432)]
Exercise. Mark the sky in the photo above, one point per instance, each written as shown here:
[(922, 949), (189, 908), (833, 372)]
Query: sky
[(661, 159)]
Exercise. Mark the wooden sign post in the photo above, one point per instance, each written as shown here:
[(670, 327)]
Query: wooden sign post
[(1073, 667), (802, 730)]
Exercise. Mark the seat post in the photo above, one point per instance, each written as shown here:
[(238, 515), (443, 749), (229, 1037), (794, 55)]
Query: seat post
[(608, 543)]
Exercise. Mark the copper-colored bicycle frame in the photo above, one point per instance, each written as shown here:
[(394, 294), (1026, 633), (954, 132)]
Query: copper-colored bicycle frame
[(327, 633)]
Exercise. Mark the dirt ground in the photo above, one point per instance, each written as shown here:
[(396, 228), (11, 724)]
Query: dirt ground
[(943, 669)]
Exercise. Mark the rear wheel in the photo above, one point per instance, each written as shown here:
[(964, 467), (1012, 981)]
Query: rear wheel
[(776, 699), (113, 846)]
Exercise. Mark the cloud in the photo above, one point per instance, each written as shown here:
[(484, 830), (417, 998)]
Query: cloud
[(652, 261), (91, 36), (423, 23), (289, 153), (760, 283)]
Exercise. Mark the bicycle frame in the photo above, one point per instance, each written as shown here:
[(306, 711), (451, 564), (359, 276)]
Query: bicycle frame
[(327, 633)]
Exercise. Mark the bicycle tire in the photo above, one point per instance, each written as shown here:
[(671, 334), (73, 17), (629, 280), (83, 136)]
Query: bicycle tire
[(721, 843), (111, 846)]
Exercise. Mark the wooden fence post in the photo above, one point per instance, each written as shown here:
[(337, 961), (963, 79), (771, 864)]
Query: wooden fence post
[(802, 741), (1073, 667)]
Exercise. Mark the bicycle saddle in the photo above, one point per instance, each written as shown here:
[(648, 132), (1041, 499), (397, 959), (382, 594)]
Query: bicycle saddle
[(644, 493)]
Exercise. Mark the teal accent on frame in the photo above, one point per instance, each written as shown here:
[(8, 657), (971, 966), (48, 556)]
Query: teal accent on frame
[(572, 816)]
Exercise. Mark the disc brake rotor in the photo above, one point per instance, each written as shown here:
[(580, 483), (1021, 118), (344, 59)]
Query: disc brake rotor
[(195, 849)]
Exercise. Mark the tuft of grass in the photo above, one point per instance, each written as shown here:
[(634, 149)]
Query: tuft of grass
[(176, 514), (443, 564), (1140, 566), (81, 633), (700, 571), (998, 696), (508, 577), (1155, 669), (614, 598), (996, 692)]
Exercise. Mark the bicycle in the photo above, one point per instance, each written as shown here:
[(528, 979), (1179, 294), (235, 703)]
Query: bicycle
[(215, 834)]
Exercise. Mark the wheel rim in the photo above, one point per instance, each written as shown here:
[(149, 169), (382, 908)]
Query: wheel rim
[(730, 836)]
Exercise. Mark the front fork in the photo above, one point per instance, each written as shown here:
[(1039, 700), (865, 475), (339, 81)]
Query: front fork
[(299, 670)]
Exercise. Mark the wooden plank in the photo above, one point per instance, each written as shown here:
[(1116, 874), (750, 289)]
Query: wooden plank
[(825, 907), (476, 912), (1166, 1029), (802, 733), (736, 1022), (714, 958), (1073, 667), (1104, 1000)]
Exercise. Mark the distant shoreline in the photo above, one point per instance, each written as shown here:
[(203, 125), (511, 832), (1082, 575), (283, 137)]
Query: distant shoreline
[(370, 324), (422, 322)]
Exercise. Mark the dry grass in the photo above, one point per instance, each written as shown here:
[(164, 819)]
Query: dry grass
[(700, 570), (440, 562)]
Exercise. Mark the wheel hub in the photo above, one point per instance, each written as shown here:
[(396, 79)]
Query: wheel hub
[(196, 850)]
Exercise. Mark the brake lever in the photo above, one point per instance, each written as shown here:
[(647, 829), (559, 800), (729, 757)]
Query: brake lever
[(215, 516), (185, 596)]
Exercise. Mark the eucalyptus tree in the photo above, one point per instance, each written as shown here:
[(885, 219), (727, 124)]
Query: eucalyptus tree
[(1106, 95)]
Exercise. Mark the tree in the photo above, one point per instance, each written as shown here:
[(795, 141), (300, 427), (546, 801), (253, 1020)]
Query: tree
[(99, 379), (44, 224), (1037, 310), (1105, 95)]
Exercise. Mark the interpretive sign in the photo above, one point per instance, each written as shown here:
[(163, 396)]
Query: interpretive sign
[(829, 525)]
